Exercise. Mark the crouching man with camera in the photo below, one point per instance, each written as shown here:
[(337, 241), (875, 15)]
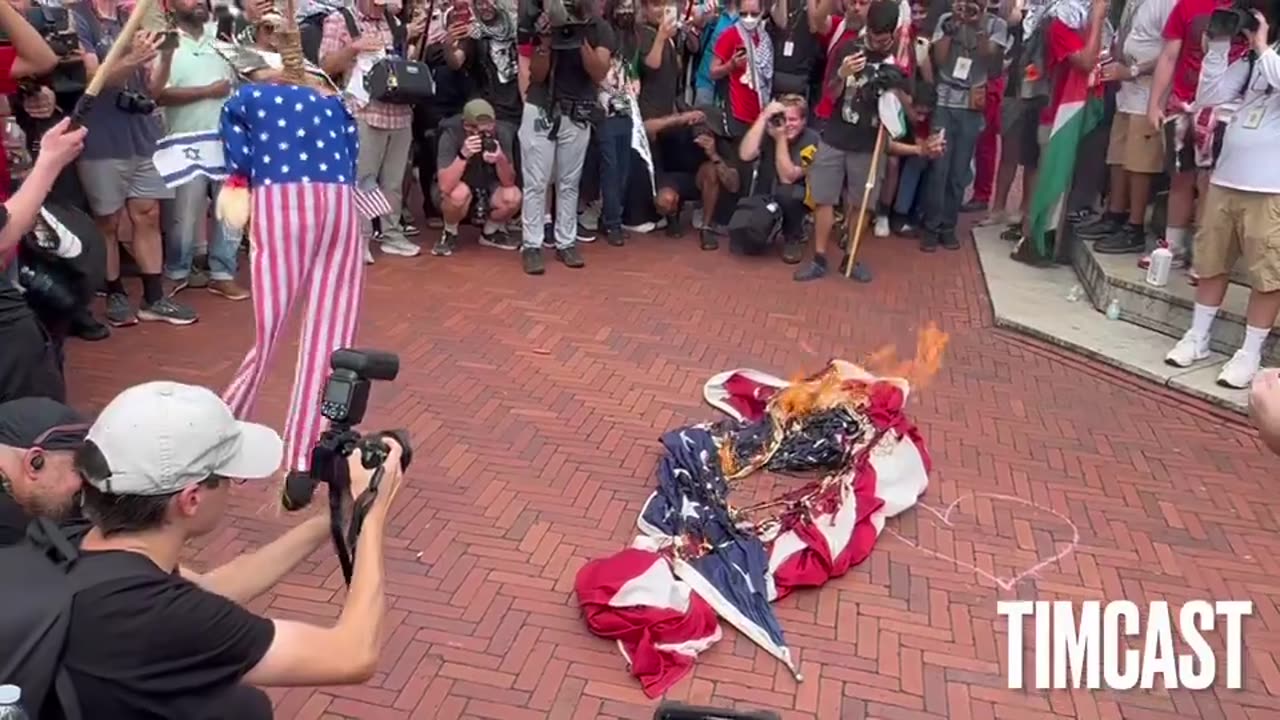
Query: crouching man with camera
[(780, 189), (476, 176), (149, 638), (1242, 207)]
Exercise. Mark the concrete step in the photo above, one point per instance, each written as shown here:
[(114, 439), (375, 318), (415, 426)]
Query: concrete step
[(1034, 301), (1166, 310)]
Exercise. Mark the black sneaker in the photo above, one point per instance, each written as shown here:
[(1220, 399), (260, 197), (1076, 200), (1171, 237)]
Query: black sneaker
[(813, 271), (792, 251), (1012, 234), (500, 239), (950, 241), (585, 234), (674, 228), (707, 240), (570, 256), (1128, 240), (119, 312), (445, 246), (531, 259), (860, 272), (614, 237), (1100, 230), (166, 310), (929, 241), (86, 327), (407, 227), (549, 235)]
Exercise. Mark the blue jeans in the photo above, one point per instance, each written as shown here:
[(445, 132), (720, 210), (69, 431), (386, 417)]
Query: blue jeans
[(190, 211), (910, 174), (950, 175), (615, 168)]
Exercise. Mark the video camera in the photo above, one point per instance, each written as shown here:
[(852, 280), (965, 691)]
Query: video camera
[(343, 402), (56, 28)]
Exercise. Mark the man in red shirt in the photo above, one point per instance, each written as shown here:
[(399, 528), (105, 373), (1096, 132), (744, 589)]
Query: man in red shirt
[(1188, 131)]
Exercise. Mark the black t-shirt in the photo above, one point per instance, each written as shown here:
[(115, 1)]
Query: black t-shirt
[(493, 67), (154, 645), (452, 135), (658, 88), (795, 48), (12, 306), (569, 75), (802, 150), (855, 120)]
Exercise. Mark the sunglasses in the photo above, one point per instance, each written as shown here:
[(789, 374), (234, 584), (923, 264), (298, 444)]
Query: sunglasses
[(749, 14)]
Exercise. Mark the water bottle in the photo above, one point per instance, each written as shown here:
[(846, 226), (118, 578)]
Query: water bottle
[(1113, 309), (11, 703), (1161, 264), (1075, 293), (15, 147)]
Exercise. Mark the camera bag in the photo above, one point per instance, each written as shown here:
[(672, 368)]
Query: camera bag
[(395, 80), (755, 224)]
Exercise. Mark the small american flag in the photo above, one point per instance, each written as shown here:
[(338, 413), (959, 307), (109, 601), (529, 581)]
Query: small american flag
[(372, 203)]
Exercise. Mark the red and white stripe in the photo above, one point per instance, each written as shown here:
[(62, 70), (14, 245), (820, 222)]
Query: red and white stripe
[(305, 240), (372, 203)]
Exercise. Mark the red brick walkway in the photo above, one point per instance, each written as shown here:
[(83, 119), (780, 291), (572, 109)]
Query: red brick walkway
[(535, 404)]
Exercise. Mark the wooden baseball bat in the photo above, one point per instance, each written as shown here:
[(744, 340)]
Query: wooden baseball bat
[(121, 46)]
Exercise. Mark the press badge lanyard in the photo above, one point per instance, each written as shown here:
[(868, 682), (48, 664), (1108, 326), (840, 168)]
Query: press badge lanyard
[(1257, 107)]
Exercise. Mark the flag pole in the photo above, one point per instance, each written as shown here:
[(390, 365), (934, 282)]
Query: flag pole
[(856, 224)]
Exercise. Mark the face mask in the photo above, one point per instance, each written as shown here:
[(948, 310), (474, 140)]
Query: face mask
[(750, 22)]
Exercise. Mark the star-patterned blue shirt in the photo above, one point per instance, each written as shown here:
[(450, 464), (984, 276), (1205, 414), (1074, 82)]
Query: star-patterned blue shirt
[(275, 134)]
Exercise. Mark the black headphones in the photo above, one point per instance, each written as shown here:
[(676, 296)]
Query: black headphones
[(37, 461)]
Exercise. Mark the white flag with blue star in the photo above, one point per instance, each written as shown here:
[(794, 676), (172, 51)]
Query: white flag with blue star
[(182, 156)]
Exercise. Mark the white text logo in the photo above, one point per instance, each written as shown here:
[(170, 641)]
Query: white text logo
[(1084, 646)]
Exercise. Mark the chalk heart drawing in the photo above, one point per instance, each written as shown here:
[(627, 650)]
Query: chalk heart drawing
[(1007, 582)]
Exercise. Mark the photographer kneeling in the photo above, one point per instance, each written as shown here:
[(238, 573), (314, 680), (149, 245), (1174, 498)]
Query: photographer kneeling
[(475, 175), (780, 188), (159, 640)]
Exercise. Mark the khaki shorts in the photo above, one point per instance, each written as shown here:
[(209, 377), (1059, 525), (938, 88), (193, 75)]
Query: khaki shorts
[(1135, 145), (1239, 223)]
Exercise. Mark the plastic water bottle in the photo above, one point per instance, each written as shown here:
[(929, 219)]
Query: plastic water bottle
[(11, 703), (1075, 293), (1113, 309), (1161, 264)]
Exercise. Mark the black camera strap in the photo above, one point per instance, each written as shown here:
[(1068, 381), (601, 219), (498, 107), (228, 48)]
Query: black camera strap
[(339, 482)]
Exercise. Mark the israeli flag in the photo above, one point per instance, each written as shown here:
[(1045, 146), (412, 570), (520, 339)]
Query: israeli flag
[(182, 156)]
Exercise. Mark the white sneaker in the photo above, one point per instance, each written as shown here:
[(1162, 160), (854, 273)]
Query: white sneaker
[(1189, 351), (399, 246), (882, 227), (1238, 372)]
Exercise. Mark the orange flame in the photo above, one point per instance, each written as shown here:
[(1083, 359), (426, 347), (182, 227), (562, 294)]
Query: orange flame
[(920, 370)]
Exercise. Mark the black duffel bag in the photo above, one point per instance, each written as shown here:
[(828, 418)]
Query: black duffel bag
[(395, 79)]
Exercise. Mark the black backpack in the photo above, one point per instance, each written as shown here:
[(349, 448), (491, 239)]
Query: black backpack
[(35, 614), (311, 32)]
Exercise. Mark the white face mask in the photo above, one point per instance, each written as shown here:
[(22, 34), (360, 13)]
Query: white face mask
[(750, 23)]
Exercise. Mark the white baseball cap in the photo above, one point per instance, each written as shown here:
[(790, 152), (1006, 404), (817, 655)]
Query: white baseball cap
[(161, 437)]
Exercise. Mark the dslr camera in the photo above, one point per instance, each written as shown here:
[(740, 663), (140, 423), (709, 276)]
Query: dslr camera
[(55, 27), (343, 402), (135, 103), (568, 19)]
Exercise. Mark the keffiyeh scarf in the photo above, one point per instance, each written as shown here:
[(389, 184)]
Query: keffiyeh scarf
[(759, 61)]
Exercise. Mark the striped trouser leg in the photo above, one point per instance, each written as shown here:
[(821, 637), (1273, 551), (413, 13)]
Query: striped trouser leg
[(280, 240), (332, 290)]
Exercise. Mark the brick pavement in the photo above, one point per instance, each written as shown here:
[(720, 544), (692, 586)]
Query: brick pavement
[(535, 405)]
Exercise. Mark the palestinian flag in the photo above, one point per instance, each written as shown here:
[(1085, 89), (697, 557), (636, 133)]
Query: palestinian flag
[(1076, 109)]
